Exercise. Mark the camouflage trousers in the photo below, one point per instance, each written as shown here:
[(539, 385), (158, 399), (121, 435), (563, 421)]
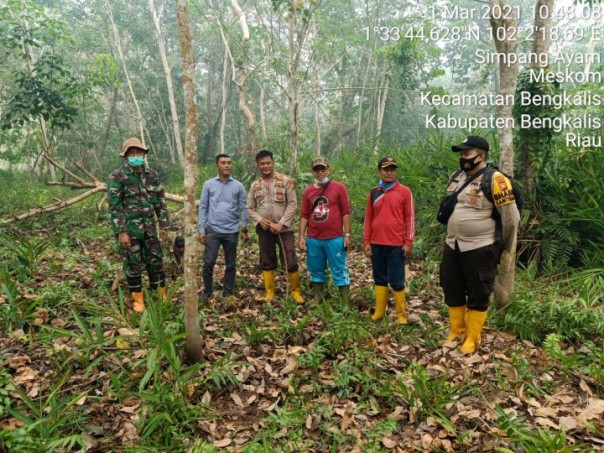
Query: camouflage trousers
[(144, 254)]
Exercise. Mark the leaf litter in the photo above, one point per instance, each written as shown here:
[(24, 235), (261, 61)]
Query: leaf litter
[(290, 382)]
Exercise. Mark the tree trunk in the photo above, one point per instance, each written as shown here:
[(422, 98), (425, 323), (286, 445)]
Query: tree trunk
[(168, 75), (105, 137), (317, 110), (262, 114), (541, 45), (241, 82), (193, 341), (362, 96), (225, 95), (508, 77), (292, 95), (118, 45), (381, 108)]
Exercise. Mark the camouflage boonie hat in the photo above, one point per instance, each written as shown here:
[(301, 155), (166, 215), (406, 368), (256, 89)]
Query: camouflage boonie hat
[(133, 143), (319, 161)]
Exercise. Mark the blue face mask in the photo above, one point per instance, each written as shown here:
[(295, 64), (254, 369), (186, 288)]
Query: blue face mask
[(136, 161)]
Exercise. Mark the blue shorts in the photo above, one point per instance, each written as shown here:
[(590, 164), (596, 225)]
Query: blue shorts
[(322, 251)]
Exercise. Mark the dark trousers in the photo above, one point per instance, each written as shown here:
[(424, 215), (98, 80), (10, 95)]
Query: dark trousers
[(268, 250), (144, 254), (467, 278), (388, 265), (212, 245)]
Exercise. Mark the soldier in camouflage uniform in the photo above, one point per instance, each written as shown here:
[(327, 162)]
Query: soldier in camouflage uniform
[(136, 196)]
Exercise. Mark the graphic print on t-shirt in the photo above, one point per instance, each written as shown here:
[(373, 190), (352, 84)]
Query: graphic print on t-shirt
[(321, 211)]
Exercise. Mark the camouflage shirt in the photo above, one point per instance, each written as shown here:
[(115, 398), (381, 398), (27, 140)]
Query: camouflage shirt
[(134, 198)]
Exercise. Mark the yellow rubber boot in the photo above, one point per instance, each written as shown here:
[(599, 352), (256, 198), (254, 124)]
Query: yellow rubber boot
[(269, 285), (294, 283), (457, 323), (381, 300), (138, 302), (400, 297), (162, 292), (476, 321)]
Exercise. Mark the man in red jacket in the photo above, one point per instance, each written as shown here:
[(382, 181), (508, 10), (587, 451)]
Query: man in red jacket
[(388, 237)]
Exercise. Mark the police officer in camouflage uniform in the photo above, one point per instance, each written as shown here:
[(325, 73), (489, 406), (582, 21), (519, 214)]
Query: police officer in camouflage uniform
[(136, 196)]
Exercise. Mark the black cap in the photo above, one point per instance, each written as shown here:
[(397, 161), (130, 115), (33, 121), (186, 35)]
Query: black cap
[(387, 162), (473, 141)]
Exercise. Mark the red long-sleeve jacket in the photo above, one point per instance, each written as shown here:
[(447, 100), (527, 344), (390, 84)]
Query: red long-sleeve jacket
[(390, 216)]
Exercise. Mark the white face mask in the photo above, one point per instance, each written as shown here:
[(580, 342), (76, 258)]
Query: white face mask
[(322, 181)]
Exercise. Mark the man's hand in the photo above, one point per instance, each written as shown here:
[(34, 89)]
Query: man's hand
[(265, 224), (302, 243), (407, 249), (367, 250), (124, 239), (202, 238), (276, 228), (163, 235), (244, 236), (347, 242)]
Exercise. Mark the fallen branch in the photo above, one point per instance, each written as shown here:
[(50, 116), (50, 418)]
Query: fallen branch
[(94, 185)]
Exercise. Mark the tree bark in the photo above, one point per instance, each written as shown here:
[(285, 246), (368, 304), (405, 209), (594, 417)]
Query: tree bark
[(118, 45), (295, 48), (105, 137), (508, 77), (193, 340), (541, 44), (225, 95), (381, 108), (170, 86), (241, 82)]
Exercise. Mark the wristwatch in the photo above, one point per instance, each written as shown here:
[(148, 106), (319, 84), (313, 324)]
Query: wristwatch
[(347, 235)]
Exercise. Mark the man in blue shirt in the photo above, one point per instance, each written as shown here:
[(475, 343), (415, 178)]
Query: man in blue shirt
[(222, 208)]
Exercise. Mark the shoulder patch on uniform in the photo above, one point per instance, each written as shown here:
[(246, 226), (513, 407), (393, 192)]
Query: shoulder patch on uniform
[(502, 190)]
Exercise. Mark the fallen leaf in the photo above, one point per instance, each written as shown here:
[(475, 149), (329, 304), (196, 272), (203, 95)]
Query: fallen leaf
[(427, 441), (222, 443), (123, 331), (585, 387), (567, 423), (18, 361), (388, 442), (547, 412), (237, 400), (130, 409), (122, 343), (593, 411), (128, 433), (470, 414), (309, 421), (292, 363), (546, 422), (58, 322)]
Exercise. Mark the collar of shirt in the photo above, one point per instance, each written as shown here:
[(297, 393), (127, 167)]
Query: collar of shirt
[(230, 178)]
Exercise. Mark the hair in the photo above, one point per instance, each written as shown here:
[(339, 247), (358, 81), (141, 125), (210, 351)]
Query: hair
[(264, 153), (221, 155)]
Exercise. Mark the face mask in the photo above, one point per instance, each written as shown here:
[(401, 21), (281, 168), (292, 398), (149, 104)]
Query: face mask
[(136, 161), (468, 164)]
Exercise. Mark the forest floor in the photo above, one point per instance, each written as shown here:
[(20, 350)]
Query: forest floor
[(82, 372)]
